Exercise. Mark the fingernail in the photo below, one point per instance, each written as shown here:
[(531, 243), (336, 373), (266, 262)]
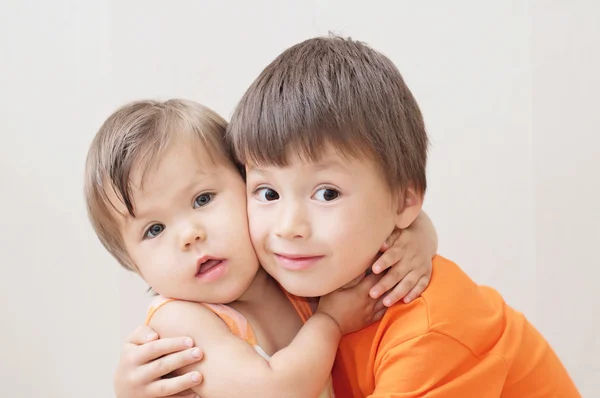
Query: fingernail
[(407, 300), (377, 269), (150, 336), (387, 302), (189, 342), (374, 293), (195, 377), (196, 353)]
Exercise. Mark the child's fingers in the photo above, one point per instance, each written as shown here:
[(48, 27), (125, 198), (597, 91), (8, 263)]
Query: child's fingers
[(156, 349), (367, 283), (389, 280), (167, 364), (418, 289), (389, 242), (402, 288), (175, 385), (142, 335), (387, 259)]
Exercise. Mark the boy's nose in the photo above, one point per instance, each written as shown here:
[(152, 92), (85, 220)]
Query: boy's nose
[(293, 224)]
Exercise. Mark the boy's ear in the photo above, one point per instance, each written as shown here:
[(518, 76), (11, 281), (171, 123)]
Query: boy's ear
[(409, 207)]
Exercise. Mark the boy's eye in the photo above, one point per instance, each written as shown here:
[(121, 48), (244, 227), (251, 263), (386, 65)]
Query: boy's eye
[(326, 194), (203, 200), (266, 194), (154, 231)]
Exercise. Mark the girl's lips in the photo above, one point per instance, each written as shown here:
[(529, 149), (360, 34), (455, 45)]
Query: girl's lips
[(211, 269)]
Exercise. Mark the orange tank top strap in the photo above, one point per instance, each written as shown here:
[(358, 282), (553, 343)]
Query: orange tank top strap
[(301, 305), (236, 322), (155, 304)]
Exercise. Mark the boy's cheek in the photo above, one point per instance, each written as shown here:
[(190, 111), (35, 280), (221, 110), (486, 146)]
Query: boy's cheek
[(258, 224)]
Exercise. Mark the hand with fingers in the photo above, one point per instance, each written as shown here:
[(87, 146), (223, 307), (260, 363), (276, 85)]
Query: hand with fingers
[(352, 308), (146, 363), (407, 255)]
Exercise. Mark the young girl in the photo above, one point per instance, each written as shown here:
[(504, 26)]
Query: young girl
[(167, 201)]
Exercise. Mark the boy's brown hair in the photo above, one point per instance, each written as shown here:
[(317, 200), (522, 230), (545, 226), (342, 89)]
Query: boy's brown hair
[(337, 91), (134, 137)]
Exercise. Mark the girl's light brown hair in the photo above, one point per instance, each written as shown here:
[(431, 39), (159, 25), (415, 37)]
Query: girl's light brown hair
[(135, 136), (330, 90)]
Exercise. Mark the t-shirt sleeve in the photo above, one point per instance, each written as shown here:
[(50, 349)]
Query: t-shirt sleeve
[(436, 365)]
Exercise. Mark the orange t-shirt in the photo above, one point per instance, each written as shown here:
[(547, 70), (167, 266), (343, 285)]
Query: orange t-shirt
[(457, 340)]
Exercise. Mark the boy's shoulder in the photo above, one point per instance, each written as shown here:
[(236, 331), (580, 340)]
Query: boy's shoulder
[(453, 305), (454, 317)]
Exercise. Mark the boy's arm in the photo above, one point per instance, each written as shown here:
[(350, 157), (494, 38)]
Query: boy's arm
[(231, 367), (435, 365)]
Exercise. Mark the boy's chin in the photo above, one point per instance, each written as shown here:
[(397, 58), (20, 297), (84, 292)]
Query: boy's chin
[(318, 288), (303, 288), (302, 291)]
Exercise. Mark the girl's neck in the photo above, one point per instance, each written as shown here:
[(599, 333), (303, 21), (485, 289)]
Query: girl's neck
[(262, 286)]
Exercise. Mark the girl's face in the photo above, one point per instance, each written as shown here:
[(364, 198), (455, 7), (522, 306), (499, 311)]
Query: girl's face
[(189, 237)]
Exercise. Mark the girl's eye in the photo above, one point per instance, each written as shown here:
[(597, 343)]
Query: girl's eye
[(154, 231), (326, 194), (203, 199), (266, 194)]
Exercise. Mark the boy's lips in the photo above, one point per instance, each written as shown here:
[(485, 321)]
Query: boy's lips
[(297, 262), (210, 268)]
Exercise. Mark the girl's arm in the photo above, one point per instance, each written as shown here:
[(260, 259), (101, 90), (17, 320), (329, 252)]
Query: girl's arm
[(232, 368)]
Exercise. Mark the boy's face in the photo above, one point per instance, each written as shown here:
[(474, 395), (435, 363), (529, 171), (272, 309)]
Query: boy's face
[(190, 236), (317, 226)]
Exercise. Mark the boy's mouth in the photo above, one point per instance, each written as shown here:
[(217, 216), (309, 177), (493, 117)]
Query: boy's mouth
[(295, 262)]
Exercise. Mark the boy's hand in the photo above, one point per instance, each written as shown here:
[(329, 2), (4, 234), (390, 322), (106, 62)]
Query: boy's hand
[(352, 308), (408, 252), (146, 361)]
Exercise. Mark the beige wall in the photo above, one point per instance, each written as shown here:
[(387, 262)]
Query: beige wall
[(509, 90)]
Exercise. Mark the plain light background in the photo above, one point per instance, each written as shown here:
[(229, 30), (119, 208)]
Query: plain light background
[(509, 91)]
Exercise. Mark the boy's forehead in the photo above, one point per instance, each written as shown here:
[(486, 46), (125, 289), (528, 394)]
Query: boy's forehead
[(330, 159)]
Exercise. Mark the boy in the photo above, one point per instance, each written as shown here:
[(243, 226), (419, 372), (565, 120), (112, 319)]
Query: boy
[(335, 151)]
